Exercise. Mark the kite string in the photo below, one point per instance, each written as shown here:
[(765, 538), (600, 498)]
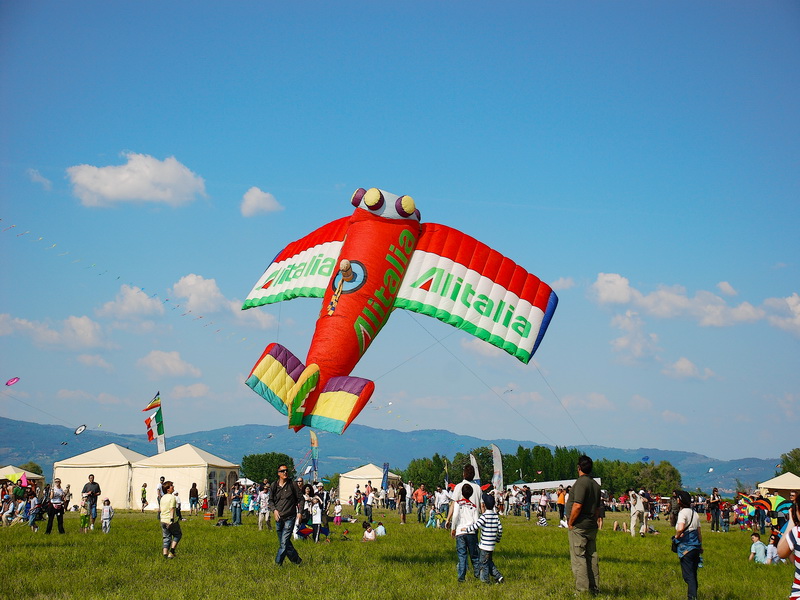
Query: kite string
[(488, 387), (10, 395), (560, 402)]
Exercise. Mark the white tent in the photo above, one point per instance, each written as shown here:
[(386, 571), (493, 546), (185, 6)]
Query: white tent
[(183, 466), (11, 470), (782, 484), (538, 486), (111, 467), (360, 476)]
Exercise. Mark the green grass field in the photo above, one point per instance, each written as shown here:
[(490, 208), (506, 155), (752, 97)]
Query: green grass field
[(411, 561)]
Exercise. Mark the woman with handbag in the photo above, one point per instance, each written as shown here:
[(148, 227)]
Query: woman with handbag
[(688, 542)]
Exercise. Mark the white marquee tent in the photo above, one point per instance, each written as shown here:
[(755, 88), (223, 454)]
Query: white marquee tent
[(782, 484), (11, 470), (360, 476), (111, 466), (183, 466)]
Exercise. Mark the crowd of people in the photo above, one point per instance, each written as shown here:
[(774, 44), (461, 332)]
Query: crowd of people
[(297, 509)]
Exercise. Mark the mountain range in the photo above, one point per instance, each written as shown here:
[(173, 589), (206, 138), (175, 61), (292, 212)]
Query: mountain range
[(21, 442)]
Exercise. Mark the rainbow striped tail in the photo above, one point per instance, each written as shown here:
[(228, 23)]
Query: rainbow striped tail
[(291, 387)]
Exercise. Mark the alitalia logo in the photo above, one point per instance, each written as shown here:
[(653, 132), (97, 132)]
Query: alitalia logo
[(318, 265), (446, 285)]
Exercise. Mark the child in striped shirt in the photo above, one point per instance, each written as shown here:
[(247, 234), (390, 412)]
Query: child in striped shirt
[(491, 532)]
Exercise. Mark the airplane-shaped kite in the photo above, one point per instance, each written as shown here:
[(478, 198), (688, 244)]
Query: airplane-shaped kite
[(363, 267)]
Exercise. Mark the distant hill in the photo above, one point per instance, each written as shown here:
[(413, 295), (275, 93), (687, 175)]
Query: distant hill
[(46, 444)]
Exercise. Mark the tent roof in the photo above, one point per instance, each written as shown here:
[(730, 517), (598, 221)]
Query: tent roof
[(106, 456), (185, 456), (368, 471), (11, 469), (786, 481)]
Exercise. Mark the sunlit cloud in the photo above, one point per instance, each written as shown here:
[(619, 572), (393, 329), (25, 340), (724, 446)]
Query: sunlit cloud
[(142, 178), (256, 202), (683, 368), (160, 364)]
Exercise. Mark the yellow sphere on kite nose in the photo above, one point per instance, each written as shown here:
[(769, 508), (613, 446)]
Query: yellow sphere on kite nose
[(373, 199), (405, 206)]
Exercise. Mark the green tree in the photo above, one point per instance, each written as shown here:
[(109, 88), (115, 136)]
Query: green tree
[(260, 466), (790, 462), (31, 467), (542, 460), (425, 470), (565, 463)]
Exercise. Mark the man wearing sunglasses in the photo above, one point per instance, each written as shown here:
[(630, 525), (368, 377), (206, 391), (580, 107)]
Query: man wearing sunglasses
[(284, 498)]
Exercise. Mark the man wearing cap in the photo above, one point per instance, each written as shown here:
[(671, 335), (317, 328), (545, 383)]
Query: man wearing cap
[(92, 491), (284, 498), (582, 510)]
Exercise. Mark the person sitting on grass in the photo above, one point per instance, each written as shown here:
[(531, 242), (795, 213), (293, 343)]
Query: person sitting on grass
[(758, 551), (369, 532), (491, 532), (772, 549)]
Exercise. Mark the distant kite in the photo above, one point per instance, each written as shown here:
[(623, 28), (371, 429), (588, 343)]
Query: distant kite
[(12, 381), (363, 267)]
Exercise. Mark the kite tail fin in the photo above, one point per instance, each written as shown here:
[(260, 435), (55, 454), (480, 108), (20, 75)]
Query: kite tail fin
[(339, 403), (274, 375), (300, 393)]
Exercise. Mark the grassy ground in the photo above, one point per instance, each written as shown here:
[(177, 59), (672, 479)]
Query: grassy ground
[(409, 562)]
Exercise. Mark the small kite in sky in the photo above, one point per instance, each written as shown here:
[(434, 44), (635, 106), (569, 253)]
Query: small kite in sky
[(12, 381)]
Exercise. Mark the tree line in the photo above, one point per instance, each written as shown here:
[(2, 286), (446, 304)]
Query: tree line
[(539, 463)]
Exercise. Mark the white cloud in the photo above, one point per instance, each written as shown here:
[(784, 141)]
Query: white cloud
[(636, 343), (256, 201), (708, 309), (683, 368), (727, 289), (787, 311), (142, 179), (788, 405), (131, 302), (200, 295), (562, 283), (591, 401), (94, 360), (196, 390), (638, 402), (37, 177), (75, 332), (673, 417), (72, 395), (167, 364), (481, 348)]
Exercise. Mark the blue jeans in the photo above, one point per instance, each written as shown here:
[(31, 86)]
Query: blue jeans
[(236, 512), (487, 568), (467, 547), (368, 512), (284, 528)]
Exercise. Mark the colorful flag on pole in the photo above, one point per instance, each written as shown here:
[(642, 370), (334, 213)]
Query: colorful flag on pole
[(385, 478), (314, 440), (154, 403), (154, 421)]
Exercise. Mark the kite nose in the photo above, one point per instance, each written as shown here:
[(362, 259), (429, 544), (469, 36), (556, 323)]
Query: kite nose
[(405, 206), (373, 199)]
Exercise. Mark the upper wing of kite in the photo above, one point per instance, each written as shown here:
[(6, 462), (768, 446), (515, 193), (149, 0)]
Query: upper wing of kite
[(303, 269), (459, 280)]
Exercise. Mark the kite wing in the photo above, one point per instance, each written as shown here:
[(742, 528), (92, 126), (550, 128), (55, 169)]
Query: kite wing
[(303, 269), (463, 282)]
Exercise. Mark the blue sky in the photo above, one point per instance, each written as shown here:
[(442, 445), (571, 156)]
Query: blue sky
[(643, 160)]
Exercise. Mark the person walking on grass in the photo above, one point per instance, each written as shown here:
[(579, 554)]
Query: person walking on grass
[(689, 542), (144, 496), (465, 515), (491, 532), (171, 532), (284, 498), (106, 515), (91, 491), (789, 544), (582, 510), (55, 507)]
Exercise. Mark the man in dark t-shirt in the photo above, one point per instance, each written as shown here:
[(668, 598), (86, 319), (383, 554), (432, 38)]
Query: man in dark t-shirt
[(92, 491), (582, 510)]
